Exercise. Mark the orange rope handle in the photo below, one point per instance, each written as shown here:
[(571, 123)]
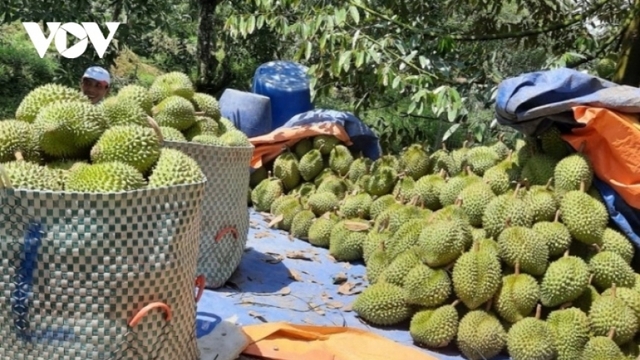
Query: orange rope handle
[(145, 310), (225, 231), (200, 283)]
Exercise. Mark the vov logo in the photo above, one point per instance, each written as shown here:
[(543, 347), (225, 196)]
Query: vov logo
[(85, 32)]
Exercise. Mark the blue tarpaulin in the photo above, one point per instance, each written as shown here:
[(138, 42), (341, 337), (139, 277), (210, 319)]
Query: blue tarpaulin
[(363, 138), (531, 102)]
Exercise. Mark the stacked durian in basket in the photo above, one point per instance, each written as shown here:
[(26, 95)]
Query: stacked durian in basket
[(59, 141)]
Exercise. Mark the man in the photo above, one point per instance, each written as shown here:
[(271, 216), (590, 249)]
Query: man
[(95, 84)]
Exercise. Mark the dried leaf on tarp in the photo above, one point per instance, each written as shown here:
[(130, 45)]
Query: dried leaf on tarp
[(298, 255), (356, 226), (332, 259), (273, 258), (348, 308), (266, 215), (345, 289), (285, 291), (247, 301), (295, 275), (275, 221), (316, 309), (255, 315), (254, 224), (339, 278), (325, 297), (334, 304), (262, 234), (290, 237)]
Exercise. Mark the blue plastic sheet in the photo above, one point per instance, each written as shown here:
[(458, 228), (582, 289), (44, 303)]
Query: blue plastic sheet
[(363, 138), (286, 83), (531, 102), (286, 279)]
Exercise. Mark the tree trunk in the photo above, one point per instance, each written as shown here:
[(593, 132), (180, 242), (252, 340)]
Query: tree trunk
[(627, 70), (207, 61)]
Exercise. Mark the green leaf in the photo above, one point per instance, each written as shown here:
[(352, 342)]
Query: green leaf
[(251, 24), (355, 14), (307, 53), (450, 131), (396, 82), (423, 61), (360, 58), (344, 58)]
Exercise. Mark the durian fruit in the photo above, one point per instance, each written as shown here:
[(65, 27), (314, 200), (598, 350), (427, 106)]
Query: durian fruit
[(415, 160), (176, 112), (428, 189), (346, 239), (554, 234), (266, 192), (608, 268), (522, 245), (588, 296), (614, 241), (175, 168), (442, 159), (435, 328), (570, 328), (356, 205), (602, 348), (396, 272), (69, 129), (382, 304), (629, 296), (531, 338), (573, 171), (424, 286), (381, 204), (30, 176), (517, 297), (564, 281), (480, 335), (480, 159), (323, 202), (340, 160), (203, 126), (476, 277), (45, 95), (451, 190), (509, 206), (585, 217), (443, 242), (359, 167), (301, 223), (539, 169), (406, 237), (206, 104), (542, 202), (171, 84), (501, 176), (552, 144), (310, 164), (376, 262), (459, 156), (131, 144), (320, 230), (475, 199), (123, 111), (286, 168), (611, 312), (235, 138), (111, 176), (16, 136), (139, 95), (500, 147), (207, 140), (381, 181), (171, 134), (325, 143), (302, 147), (286, 212)]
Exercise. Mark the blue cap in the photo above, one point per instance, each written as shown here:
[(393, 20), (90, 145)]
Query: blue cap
[(97, 73)]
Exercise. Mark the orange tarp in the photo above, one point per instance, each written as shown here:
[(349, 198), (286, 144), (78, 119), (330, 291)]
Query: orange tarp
[(283, 341), (269, 146), (613, 146)]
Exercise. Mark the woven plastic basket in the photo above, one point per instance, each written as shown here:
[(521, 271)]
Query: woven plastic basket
[(225, 214), (99, 276)]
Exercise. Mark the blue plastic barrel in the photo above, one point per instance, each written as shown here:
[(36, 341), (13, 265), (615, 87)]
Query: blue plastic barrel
[(249, 112), (286, 83)]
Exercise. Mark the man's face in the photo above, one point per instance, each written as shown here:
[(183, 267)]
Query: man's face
[(94, 89)]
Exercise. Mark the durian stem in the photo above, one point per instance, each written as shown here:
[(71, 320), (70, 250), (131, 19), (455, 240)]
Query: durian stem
[(476, 246), (613, 290), (549, 182), (465, 144), (583, 144), (501, 137), (517, 268), (458, 201), (18, 155), (557, 218), (507, 222), (597, 247), (526, 183), (444, 146), (510, 155), (455, 303), (566, 254), (154, 125), (612, 333), (488, 305), (467, 170), (566, 305), (199, 113), (538, 311), (583, 186), (591, 278), (442, 173), (515, 192)]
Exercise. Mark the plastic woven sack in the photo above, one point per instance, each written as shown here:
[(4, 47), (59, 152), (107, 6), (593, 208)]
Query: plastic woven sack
[(98, 276), (225, 214)]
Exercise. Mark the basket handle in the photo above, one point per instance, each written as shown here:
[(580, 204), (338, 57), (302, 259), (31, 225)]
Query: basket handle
[(145, 310), (225, 231), (154, 125), (201, 281)]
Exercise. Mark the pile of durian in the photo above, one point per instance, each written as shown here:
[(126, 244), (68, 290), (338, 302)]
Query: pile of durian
[(59, 141), (493, 249)]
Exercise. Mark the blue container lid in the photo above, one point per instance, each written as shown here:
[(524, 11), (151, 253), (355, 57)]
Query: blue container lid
[(287, 75)]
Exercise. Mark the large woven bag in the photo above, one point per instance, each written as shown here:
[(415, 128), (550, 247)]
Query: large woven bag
[(225, 214), (98, 276)]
